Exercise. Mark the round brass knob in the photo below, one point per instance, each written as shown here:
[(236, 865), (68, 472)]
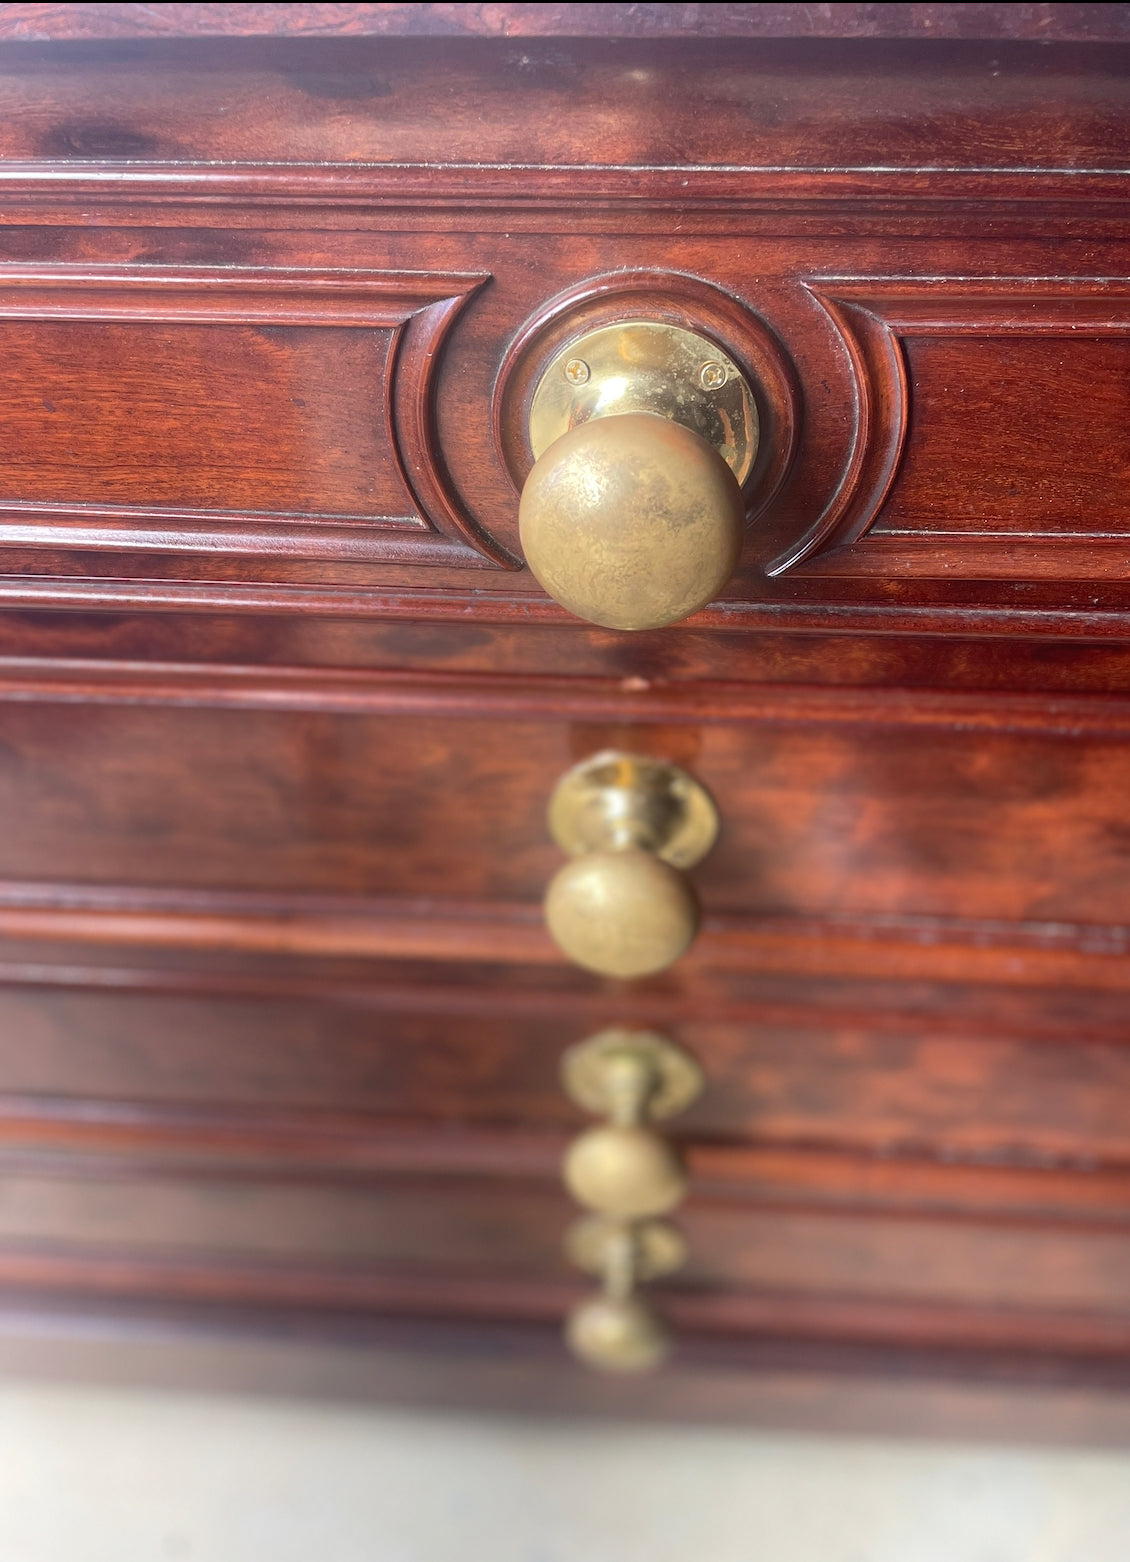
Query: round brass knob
[(622, 913), (642, 434), (617, 1334), (631, 824), (632, 522), (624, 1170)]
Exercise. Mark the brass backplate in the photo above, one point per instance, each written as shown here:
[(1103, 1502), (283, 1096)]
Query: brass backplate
[(585, 1071), (669, 812), (657, 1248), (646, 366)]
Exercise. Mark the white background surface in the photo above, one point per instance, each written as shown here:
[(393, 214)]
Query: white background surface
[(91, 1475)]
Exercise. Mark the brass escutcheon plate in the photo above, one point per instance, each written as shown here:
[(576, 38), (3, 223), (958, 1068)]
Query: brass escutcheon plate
[(607, 788), (584, 1071), (646, 366), (657, 1248)]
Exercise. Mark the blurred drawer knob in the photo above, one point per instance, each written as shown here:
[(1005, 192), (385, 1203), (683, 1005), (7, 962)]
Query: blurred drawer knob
[(627, 1173), (617, 1330), (623, 907), (632, 516)]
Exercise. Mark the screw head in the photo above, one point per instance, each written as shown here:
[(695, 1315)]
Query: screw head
[(577, 371), (713, 375)]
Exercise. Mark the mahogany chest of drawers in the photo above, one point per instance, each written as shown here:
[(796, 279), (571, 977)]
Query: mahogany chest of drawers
[(281, 709)]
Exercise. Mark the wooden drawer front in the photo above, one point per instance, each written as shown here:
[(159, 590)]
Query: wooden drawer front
[(323, 418), (835, 822), (357, 1055), (475, 1247), (276, 349)]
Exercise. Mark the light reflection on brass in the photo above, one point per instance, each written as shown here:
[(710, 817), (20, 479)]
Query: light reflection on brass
[(648, 366)]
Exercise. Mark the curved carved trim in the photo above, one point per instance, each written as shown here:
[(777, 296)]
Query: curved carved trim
[(680, 300), (413, 370), (882, 411)]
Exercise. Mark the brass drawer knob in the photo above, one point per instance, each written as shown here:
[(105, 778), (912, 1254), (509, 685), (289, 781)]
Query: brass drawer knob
[(617, 1330), (633, 515), (626, 1171), (634, 1078), (622, 906)]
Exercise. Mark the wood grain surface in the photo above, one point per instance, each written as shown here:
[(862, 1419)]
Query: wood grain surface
[(281, 709)]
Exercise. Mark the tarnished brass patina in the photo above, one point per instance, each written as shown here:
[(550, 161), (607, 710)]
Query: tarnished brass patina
[(626, 1173), (643, 434), (622, 906)]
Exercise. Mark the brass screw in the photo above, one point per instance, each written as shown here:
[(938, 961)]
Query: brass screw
[(713, 375), (577, 371)]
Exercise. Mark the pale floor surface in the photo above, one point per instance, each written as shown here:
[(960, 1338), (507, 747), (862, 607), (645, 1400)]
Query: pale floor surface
[(122, 1475)]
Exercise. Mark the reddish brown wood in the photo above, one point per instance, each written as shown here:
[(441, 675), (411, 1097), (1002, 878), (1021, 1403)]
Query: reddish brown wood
[(841, 822), (901, 1113), (280, 711)]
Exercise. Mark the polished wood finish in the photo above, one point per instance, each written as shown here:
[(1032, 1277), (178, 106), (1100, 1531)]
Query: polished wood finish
[(281, 710)]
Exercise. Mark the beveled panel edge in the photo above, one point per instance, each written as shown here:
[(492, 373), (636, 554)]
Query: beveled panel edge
[(341, 297), (154, 529)]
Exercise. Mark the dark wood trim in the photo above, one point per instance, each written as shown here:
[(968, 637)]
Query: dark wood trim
[(1078, 620), (137, 1139), (1043, 23), (524, 1367), (897, 949), (535, 697), (457, 194), (861, 1321)]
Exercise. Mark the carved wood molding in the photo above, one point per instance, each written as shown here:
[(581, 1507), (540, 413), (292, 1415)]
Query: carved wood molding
[(463, 193), (417, 311), (1079, 619), (517, 696), (954, 949)]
